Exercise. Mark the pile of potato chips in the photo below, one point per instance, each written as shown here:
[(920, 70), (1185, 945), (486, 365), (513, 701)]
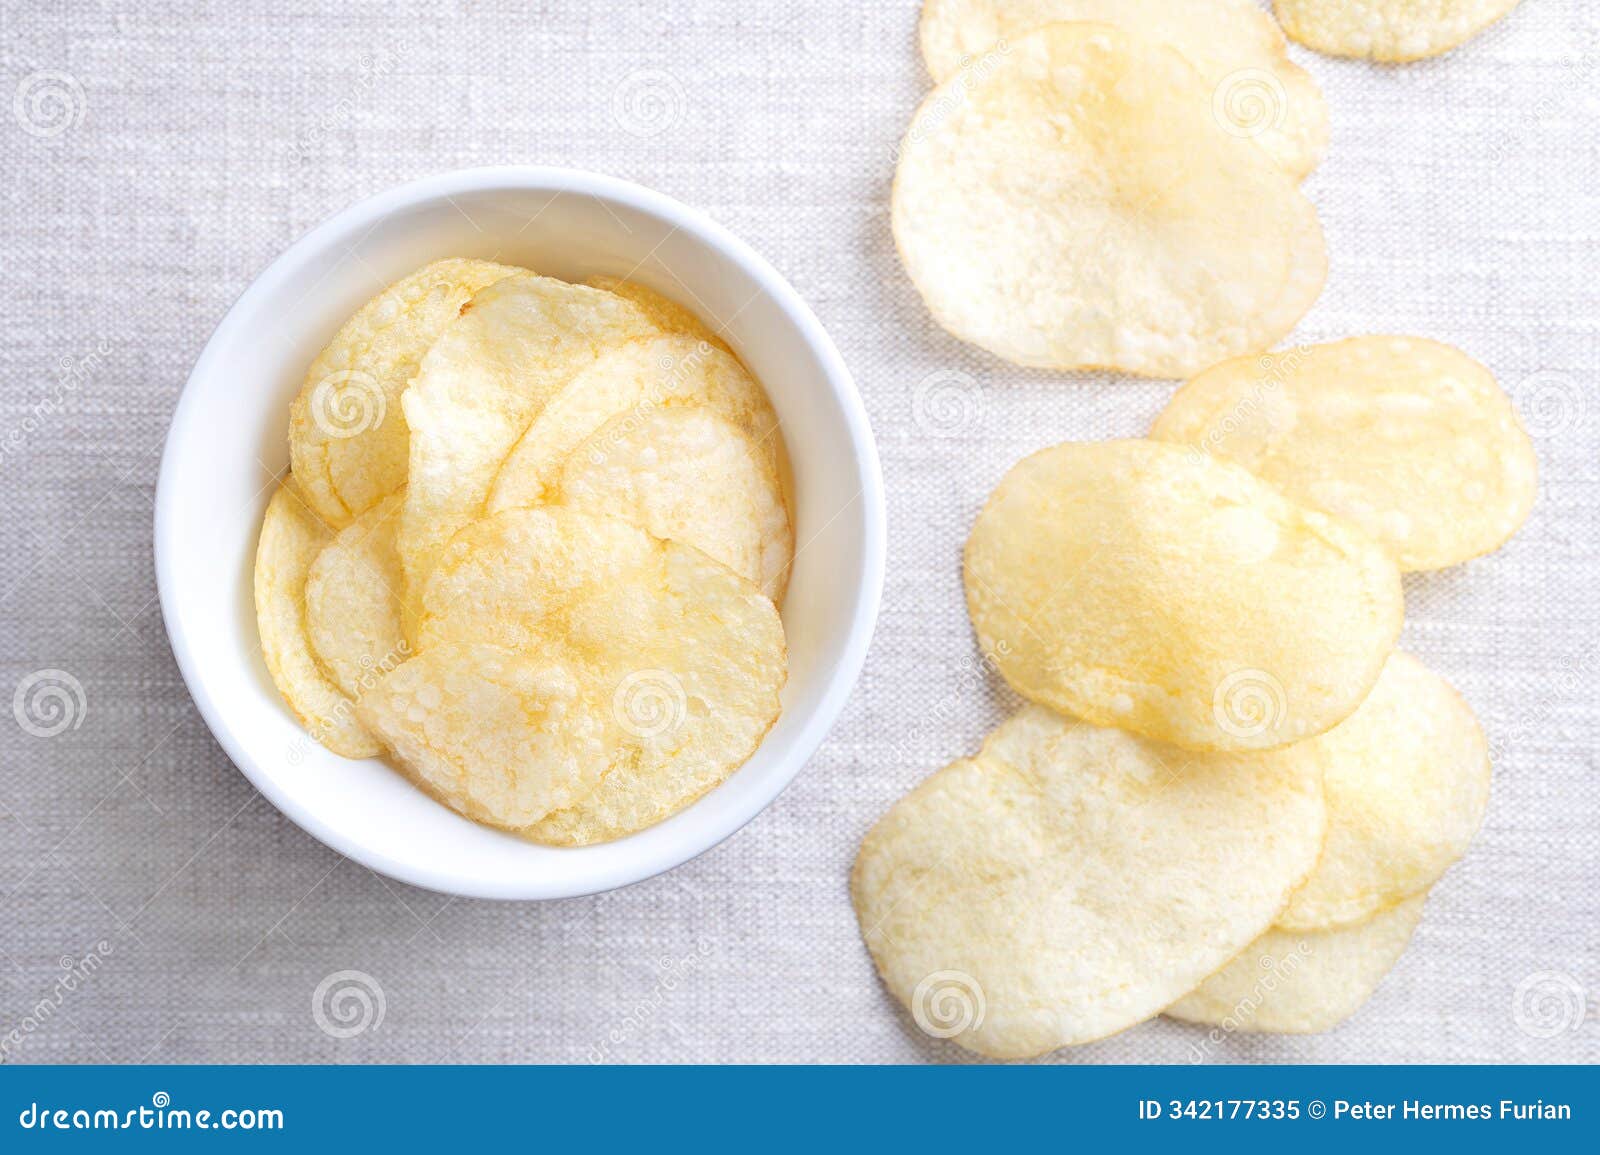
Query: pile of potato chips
[(1115, 184), (532, 545), (1229, 793)]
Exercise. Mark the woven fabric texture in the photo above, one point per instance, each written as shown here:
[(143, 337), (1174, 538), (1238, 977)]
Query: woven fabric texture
[(155, 157)]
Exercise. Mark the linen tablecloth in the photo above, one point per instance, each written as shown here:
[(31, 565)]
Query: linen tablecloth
[(154, 157)]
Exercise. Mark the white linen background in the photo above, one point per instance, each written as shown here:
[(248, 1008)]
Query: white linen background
[(1461, 199)]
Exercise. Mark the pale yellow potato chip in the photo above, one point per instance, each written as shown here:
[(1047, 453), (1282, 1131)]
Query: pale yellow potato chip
[(488, 375), (668, 315), (503, 577), (634, 380), (686, 474), (1407, 785), (503, 738), (1410, 440), (690, 655), (1142, 585), (1302, 982), (291, 538), (1238, 50), (1073, 880), (353, 600), (348, 441), (1389, 30), (1076, 203)]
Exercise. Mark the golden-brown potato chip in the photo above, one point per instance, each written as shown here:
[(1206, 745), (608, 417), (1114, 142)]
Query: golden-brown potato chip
[(353, 600), (1137, 584), (686, 474), (1410, 440), (500, 737), (691, 655), (1407, 785), (348, 442), (632, 381), (1237, 49), (1390, 30), (1076, 203), (668, 315), (488, 375), (291, 538), (1073, 880), (1301, 982)]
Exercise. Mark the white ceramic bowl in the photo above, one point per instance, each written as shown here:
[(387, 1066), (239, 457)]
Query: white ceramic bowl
[(228, 440)]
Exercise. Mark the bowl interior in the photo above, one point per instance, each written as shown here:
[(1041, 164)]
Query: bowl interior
[(228, 444)]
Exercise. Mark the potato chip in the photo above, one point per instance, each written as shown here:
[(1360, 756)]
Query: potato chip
[(485, 379), (1142, 585), (501, 578), (1410, 440), (348, 442), (1237, 49), (1389, 30), (690, 655), (291, 538), (1407, 785), (1301, 982), (1073, 880), (1076, 203), (353, 600), (668, 315), (686, 474), (634, 380), (500, 737)]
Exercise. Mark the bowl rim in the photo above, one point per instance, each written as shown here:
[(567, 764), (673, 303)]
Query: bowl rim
[(840, 680)]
